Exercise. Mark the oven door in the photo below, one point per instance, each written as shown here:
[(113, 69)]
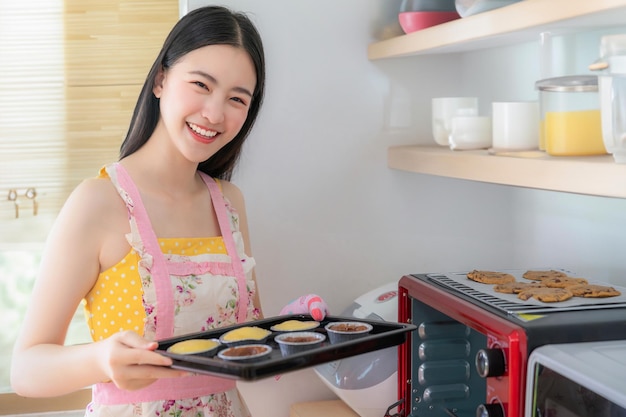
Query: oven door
[(462, 361)]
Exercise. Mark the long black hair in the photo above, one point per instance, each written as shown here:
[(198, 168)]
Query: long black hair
[(210, 25)]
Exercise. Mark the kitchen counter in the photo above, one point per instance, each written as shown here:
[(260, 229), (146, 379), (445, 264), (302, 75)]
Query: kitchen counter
[(335, 408)]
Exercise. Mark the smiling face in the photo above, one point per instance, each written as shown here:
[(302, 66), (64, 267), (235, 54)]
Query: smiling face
[(204, 99)]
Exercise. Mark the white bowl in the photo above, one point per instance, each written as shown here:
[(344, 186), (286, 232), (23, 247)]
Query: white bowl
[(443, 109), (470, 132)]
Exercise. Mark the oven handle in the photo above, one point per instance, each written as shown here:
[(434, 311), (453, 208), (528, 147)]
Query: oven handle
[(392, 406)]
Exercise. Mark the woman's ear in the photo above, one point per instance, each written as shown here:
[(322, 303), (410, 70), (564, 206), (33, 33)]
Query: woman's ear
[(157, 88)]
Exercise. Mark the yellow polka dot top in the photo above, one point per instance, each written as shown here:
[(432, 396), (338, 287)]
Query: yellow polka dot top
[(115, 303)]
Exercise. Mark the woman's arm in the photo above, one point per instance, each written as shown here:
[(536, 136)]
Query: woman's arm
[(41, 365)]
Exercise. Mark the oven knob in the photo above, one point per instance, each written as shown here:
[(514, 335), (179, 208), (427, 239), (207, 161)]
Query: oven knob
[(490, 362), (489, 410)]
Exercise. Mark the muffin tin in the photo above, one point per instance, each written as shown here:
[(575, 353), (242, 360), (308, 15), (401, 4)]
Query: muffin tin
[(294, 342), (295, 326), (245, 341), (382, 335), (245, 353), (204, 347), (347, 330)]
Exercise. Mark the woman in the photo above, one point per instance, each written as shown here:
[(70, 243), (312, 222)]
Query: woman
[(158, 244)]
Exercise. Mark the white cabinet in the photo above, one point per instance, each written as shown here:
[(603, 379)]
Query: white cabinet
[(519, 22)]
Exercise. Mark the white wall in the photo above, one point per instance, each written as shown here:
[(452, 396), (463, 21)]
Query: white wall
[(326, 213), (579, 233)]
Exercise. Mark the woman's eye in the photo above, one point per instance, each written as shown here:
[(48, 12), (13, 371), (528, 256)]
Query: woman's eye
[(201, 84), (239, 100)]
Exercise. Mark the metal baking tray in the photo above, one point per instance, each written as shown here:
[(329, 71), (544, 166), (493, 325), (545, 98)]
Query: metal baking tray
[(511, 304), (383, 335)]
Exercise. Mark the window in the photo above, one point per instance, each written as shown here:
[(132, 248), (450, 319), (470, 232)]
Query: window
[(31, 114), (18, 269), (70, 75)]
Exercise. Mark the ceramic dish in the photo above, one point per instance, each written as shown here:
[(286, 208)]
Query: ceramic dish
[(414, 21), (343, 331), (427, 6), (245, 353), (467, 8), (470, 132), (294, 326), (244, 335), (194, 347), (295, 342)]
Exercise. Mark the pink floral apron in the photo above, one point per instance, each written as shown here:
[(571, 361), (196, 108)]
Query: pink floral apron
[(160, 274)]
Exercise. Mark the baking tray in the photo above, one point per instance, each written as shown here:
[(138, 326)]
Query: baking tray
[(511, 304), (383, 335)]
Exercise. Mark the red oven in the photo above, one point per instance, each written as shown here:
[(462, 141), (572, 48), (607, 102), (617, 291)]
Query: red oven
[(469, 354)]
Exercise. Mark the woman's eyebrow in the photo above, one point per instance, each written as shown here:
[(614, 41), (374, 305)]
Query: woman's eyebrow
[(212, 79)]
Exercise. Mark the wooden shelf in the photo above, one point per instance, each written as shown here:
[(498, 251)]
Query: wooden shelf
[(516, 23), (590, 175)]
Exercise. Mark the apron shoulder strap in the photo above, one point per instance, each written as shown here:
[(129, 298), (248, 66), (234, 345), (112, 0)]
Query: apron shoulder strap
[(158, 269), (227, 234)]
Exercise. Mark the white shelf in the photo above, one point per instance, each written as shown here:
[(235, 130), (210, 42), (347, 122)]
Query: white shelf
[(518, 22), (590, 175)]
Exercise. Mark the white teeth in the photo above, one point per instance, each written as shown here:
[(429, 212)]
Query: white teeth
[(207, 133)]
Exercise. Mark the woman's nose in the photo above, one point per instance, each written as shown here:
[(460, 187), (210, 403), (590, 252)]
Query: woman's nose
[(213, 110)]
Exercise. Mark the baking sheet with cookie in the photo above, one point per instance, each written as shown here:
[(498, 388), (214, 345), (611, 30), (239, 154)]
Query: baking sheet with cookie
[(382, 335), (461, 278)]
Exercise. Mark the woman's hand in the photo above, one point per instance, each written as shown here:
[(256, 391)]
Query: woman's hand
[(129, 361), (307, 304)]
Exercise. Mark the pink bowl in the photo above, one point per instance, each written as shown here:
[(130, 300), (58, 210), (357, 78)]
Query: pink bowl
[(413, 21)]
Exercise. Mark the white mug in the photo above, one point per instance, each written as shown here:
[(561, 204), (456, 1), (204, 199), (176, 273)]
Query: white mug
[(444, 109), (470, 132), (515, 125)]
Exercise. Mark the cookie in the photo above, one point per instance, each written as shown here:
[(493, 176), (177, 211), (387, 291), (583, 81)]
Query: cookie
[(593, 291), (540, 275), (546, 295), (490, 277), (562, 282), (515, 287)]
